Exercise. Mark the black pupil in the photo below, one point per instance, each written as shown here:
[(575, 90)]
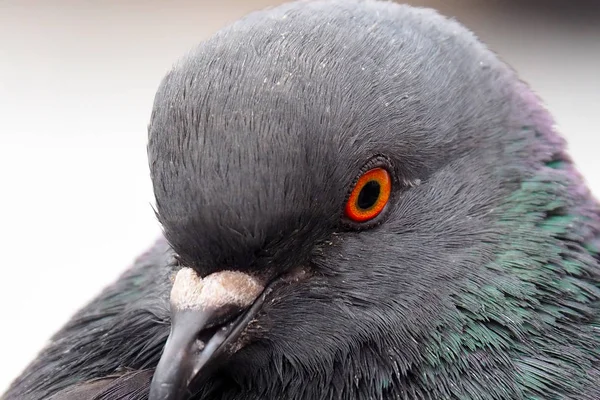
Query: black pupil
[(368, 195)]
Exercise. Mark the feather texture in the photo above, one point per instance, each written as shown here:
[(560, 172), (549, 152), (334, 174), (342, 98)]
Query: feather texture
[(481, 280)]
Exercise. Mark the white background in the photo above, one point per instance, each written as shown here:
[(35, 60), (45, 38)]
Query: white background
[(77, 81)]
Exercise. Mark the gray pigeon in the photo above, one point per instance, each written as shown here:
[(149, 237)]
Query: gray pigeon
[(359, 201)]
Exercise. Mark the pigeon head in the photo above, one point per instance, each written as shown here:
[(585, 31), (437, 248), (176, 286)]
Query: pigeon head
[(339, 181)]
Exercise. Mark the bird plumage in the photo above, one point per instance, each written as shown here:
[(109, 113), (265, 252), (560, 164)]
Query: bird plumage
[(115, 338), (481, 281)]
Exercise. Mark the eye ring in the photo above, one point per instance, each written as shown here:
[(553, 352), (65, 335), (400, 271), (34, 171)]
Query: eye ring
[(369, 196)]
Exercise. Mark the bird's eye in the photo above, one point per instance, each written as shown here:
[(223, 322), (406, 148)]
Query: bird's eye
[(369, 196)]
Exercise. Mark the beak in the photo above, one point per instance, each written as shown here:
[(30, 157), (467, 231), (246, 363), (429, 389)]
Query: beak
[(208, 315)]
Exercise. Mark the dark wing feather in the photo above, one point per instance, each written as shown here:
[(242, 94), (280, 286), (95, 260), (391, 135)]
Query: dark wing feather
[(120, 332), (129, 386), (84, 391)]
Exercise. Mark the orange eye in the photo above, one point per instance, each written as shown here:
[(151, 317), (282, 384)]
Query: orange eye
[(369, 196)]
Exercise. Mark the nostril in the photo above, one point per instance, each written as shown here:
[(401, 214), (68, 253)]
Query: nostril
[(206, 334), (223, 316), (199, 345)]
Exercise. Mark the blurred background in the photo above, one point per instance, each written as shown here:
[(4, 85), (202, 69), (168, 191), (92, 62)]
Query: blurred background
[(77, 81)]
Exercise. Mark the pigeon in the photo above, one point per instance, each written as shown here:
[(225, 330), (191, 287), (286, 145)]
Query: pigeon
[(359, 200)]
